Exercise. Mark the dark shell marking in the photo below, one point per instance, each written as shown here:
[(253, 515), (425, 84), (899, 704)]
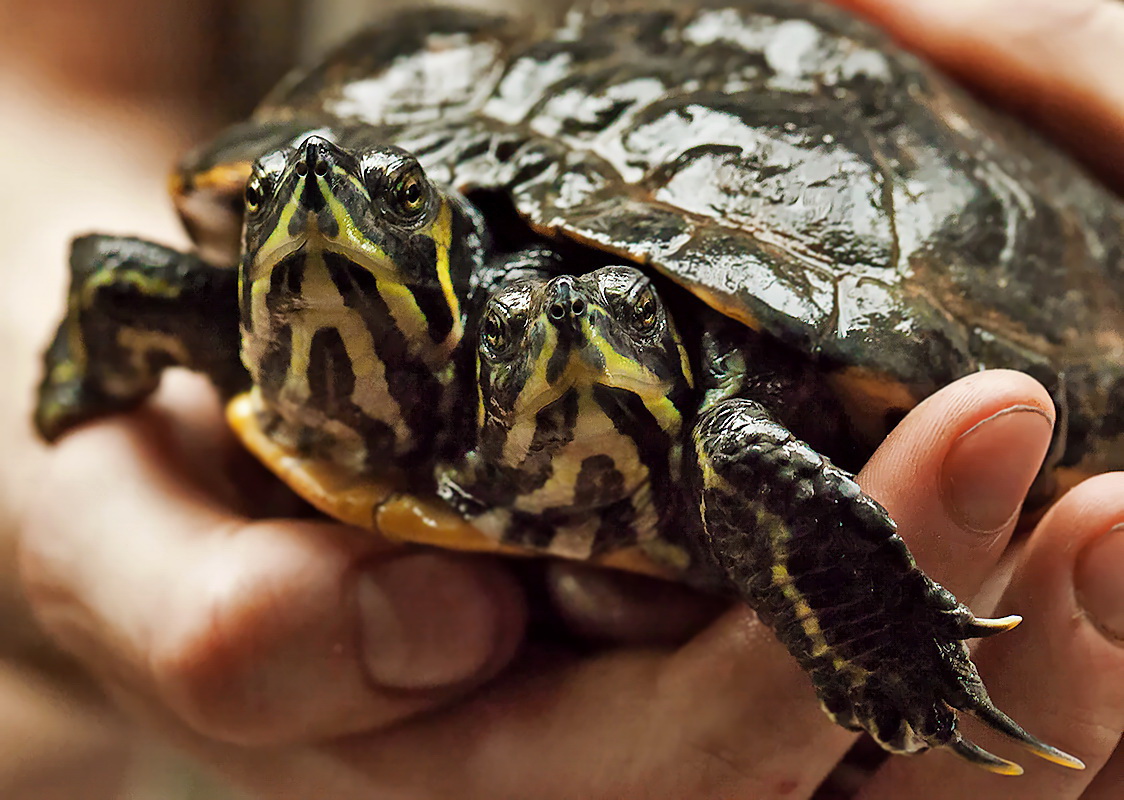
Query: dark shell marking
[(789, 165)]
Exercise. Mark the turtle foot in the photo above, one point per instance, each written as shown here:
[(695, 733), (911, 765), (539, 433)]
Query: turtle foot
[(822, 563), (909, 708), (67, 397)]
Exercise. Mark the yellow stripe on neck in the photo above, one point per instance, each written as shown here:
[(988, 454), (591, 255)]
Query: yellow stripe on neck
[(442, 237)]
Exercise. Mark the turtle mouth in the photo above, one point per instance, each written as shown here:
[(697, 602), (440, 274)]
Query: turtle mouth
[(315, 226), (318, 228), (271, 254), (576, 357)]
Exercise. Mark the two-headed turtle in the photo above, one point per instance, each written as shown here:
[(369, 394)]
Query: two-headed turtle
[(617, 289)]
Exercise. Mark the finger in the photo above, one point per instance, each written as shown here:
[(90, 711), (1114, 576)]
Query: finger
[(1062, 672), (251, 631), (1106, 785), (607, 606), (730, 713), (1056, 62), (955, 473)]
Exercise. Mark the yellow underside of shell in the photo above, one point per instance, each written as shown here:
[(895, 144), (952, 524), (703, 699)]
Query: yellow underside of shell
[(378, 505)]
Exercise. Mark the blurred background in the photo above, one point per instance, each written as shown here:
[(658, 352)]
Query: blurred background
[(98, 98)]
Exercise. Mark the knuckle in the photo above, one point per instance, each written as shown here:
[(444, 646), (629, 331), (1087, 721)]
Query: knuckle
[(264, 644), (213, 667), (204, 674)]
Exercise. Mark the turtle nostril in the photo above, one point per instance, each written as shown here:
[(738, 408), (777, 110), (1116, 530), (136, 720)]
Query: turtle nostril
[(577, 307), (302, 168), (321, 169), (556, 311)]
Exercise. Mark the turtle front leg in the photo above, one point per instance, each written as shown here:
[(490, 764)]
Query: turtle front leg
[(822, 563), (134, 308)]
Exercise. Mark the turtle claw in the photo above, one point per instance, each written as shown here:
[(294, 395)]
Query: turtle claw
[(985, 711), (974, 754), (980, 628)]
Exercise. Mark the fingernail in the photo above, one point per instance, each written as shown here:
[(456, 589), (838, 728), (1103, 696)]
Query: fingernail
[(427, 621), (990, 467), (1100, 590)]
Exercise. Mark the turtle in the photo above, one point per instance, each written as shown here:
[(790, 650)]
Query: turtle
[(823, 229)]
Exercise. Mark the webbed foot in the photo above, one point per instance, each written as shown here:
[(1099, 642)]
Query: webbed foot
[(822, 563), (135, 308), (67, 396)]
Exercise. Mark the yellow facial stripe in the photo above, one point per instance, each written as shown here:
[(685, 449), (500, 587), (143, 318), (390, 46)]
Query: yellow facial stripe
[(349, 235), (618, 371), (253, 346), (353, 245), (442, 237), (537, 389), (627, 373), (399, 298), (279, 243)]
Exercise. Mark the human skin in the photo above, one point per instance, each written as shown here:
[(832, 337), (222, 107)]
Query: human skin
[(307, 659), (1055, 63), (63, 111)]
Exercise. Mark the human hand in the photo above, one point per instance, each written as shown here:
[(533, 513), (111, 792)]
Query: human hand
[(267, 652), (311, 660)]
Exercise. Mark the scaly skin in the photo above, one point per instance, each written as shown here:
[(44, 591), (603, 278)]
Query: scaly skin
[(822, 563), (135, 308)]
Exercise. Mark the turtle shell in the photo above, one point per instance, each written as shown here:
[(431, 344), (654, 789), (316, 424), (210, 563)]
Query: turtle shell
[(782, 160), (788, 165), (377, 503)]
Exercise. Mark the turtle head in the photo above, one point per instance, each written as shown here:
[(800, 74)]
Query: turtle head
[(362, 203), (353, 258), (604, 337), (373, 206), (322, 221)]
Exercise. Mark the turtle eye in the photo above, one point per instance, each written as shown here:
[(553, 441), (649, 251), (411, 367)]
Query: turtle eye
[(408, 194), (495, 334), (645, 309), (254, 196)]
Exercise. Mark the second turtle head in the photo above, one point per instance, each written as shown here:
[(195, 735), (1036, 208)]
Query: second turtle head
[(543, 338)]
